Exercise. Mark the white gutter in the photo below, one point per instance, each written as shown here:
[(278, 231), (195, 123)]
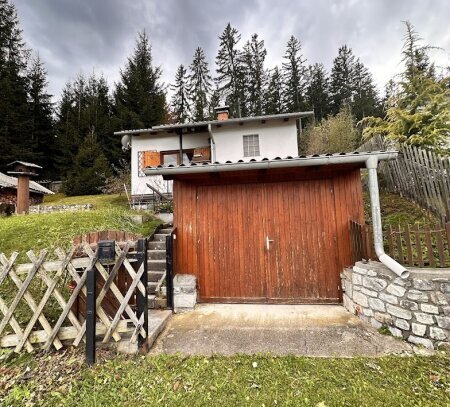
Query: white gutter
[(389, 262), (309, 161), (213, 144)]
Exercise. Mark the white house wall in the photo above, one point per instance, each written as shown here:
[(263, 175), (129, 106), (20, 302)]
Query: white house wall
[(163, 142), (276, 139)]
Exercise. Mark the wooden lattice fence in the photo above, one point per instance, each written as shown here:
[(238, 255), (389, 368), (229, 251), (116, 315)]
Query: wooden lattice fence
[(418, 174), (37, 305), (415, 246)]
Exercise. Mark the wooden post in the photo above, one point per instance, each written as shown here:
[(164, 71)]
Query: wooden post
[(23, 193)]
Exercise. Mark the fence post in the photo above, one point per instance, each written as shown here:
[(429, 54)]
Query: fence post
[(169, 271), (90, 315), (142, 299)]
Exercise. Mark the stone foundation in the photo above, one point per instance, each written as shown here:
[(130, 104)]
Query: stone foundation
[(184, 292), (416, 309)]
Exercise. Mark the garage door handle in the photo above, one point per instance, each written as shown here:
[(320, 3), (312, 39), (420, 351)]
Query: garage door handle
[(268, 242)]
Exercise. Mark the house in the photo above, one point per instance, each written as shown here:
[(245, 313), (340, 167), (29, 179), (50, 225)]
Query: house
[(8, 190), (223, 139), (253, 221)]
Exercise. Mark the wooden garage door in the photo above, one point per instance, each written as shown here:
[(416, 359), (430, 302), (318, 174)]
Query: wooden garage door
[(236, 263)]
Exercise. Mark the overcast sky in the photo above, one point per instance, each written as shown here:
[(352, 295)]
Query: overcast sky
[(98, 35)]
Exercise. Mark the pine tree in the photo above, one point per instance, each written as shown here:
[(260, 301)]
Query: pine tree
[(14, 108), (214, 102), (418, 109), (365, 97), (229, 70), (89, 171), (41, 111), (140, 100), (294, 76), (317, 93), (199, 85), (253, 57), (341, 83), (274, 94), (180, 98), (85, 109)]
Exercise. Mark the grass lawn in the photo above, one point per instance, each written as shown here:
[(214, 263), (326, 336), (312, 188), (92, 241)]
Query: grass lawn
[(35, 232), (397, 210), (62, 379)]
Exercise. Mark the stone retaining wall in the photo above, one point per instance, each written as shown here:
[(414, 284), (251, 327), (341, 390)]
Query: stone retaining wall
[(60, 208), (416, 308)]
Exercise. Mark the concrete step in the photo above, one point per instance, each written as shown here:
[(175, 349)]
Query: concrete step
[(154, 276), (151, 287), (156, 265), (156, 254), (160, 245), (159, 237), (165, 231), (157, 302)]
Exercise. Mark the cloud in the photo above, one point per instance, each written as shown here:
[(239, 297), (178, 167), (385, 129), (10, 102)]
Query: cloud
[(86, 35)]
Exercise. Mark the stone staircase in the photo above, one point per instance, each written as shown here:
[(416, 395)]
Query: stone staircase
[(156, 266)]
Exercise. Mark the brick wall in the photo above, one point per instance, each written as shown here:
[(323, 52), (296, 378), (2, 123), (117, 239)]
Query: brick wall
[(416, 309)]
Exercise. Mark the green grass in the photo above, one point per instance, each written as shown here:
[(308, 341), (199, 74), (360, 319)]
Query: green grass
[(21, 233), (264, 380), (99, 201), (396, 210)]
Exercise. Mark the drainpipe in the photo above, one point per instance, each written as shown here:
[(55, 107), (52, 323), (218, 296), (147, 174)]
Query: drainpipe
[(212, 144), (389, 262)]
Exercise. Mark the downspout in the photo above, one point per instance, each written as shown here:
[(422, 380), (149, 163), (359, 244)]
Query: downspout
[(389, 262), (212, 144)]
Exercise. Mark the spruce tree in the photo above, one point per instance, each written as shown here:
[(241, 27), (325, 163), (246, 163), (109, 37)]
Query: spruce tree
[(180, 98), (140, 100), (14, 108), (89, 170), (200, 86), (229, 70), (317, 93), (294, 76), (41, 110), (85, 109), (253, 57), (365, 97), (341, 82), (274, 93)]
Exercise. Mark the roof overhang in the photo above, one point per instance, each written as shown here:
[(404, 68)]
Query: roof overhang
[(196, 126), (289, 162)]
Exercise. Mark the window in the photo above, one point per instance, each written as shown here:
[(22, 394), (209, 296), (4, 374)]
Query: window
[(251, 145), (147, 159)]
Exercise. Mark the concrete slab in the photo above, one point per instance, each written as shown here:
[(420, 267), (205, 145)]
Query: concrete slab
[(309, 330)]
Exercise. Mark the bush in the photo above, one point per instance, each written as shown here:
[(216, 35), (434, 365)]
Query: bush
[(333, 135)]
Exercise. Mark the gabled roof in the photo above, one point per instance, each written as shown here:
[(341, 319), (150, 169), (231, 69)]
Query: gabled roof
[(205, 124), (11, 182), (25, 163), (277, 162)]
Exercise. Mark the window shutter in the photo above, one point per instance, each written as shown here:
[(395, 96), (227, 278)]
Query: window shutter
[(202, 154), (151, 159)]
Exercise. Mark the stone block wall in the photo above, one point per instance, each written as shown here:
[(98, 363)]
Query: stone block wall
[(60, 208), (416, 309)]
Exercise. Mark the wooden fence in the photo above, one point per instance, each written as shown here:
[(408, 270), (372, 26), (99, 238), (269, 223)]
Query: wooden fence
[(415, 246), (37, 306), (418, 174)]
